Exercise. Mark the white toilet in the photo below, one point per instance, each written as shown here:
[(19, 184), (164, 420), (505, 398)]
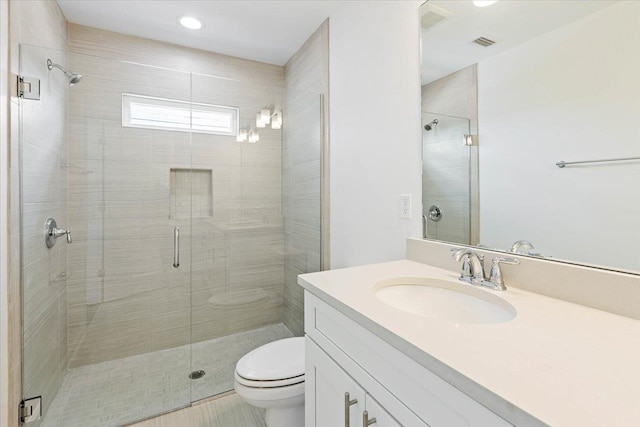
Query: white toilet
[(272, 377)]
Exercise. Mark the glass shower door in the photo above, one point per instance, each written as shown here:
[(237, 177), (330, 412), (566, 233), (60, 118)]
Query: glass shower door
[(237, 271), (107, 327), (43, 155)]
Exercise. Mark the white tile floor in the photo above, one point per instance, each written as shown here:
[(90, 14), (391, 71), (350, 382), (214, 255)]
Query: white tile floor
[(122, 391)]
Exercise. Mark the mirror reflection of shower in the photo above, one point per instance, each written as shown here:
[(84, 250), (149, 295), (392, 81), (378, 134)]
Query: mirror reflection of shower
[(446, 169), (431, 125), (73, 78)]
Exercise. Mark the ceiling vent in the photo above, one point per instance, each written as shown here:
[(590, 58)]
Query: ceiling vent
[(432, 16), (484, 42)]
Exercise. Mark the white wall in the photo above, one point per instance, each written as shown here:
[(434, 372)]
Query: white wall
[(572, 94), (375, 129)]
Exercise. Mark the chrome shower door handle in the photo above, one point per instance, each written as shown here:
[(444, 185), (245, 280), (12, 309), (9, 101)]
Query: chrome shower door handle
[(176, 247), (424, 226), (348, 402)]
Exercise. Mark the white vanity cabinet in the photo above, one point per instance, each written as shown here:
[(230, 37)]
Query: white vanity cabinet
[(338, 400), (344, 357)]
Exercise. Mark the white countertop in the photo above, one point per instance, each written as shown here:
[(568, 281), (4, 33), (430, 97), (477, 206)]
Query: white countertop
[(557, 363)]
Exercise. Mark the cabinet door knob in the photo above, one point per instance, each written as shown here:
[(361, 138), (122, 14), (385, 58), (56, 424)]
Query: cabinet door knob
[(365, 419), (347, 412)]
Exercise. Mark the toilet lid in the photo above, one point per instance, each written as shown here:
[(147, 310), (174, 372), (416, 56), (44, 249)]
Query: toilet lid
[(274, 361)]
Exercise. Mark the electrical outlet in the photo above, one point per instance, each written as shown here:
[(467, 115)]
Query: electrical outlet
[(405, 206)]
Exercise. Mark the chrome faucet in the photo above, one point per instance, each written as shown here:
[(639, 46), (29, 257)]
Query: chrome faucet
[(472, 265), (473, 269), (522, 246)]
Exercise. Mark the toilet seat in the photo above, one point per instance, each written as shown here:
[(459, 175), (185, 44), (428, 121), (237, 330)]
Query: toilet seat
[(276, 364), (268, 383)]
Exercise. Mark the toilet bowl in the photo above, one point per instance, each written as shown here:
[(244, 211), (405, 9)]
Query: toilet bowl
[(272, 377)]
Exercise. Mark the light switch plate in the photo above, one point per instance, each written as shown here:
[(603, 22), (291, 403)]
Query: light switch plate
[(405, 206)]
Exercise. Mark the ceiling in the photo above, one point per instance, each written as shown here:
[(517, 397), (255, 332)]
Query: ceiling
[(265, 31), (447, 47)]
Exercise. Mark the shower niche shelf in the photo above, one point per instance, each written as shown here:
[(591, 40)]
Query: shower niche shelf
[(191, 193)]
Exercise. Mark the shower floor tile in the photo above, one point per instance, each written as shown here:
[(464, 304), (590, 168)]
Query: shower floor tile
[(227, 411), (122, 391)]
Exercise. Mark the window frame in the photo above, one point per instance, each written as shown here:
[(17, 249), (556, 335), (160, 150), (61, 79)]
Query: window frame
[(129, 98)]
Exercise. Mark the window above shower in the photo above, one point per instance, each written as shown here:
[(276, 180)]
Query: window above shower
[(148, 112)]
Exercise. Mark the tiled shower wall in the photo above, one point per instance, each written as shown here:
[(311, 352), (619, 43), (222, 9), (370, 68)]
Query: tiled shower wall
[(38, 23), (125, 297), (306, 80), (445, 177)]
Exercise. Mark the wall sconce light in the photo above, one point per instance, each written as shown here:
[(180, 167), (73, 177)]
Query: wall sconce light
[(468, 140), (276, 120), (242, 136), (259, 122), (254, 136), (265, 116)]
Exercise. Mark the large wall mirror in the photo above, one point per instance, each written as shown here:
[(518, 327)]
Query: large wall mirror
[(531, 127)]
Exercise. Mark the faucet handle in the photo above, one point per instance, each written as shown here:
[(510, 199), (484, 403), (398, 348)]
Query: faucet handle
[(495, 275)]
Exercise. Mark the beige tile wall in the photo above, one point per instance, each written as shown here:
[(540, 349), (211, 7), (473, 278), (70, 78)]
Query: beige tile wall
[(456, 95), (306, 79), (38, 23), (125, 297)]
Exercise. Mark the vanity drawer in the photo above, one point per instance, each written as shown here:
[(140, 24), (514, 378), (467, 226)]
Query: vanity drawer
[(431, 398)]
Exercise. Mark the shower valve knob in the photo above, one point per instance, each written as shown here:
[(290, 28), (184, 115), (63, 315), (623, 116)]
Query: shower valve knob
[(52, 232)]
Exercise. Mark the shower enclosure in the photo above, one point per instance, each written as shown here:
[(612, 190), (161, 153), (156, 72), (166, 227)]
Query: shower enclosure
[(179, 239), (446, 184)]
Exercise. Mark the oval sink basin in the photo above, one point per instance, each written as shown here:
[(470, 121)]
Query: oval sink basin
[(451, 301)]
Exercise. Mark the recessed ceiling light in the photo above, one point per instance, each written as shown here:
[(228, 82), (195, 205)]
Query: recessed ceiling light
[(190, 23), (484, 3)]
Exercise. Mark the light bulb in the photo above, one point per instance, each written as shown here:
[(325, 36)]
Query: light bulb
[(259, 122)]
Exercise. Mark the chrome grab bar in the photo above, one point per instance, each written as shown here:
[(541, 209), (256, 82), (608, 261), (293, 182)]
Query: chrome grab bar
[(176, 247), (562, 163), (347, 412)]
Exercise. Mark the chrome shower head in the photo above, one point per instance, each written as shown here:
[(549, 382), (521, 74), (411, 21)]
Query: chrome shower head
[(73, 78), (431, 125)]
